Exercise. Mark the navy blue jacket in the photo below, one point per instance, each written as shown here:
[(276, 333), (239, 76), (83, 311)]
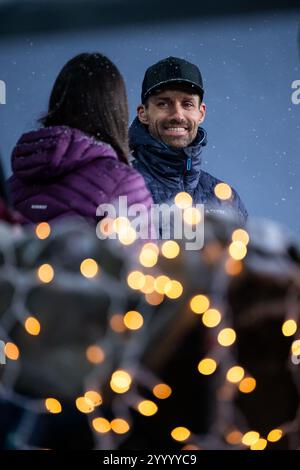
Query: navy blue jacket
[(168, 171)]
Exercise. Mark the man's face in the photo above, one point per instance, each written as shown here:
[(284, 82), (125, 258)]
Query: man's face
[(173, 116)]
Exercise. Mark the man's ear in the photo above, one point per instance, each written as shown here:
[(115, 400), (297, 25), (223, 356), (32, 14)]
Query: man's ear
[(142, 114), (202, 112)]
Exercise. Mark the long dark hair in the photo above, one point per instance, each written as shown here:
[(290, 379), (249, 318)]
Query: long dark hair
[(89, 94)]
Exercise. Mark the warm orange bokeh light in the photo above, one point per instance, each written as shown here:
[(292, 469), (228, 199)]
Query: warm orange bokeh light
[(119, 426), (133, 320), (183, 200), (162, 391), (180, 434), (101, 425), (95, 354), (89, 268), (223, 191), (117, 323), (43, 230), (120, 381), (32, 326), (11, 351), (147, 408), (53, 405), (207, 366), (199, 304), (45, 273)]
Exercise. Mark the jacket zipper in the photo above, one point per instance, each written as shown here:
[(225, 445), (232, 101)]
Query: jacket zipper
[(188, 164), (188, 167)]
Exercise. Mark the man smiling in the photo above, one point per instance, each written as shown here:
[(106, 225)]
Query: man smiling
[(167, 140)]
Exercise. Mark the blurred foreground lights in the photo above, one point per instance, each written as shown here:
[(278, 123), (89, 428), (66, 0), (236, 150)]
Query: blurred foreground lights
[(101, 425), (233, 267), (106, 226), (212, 252), (94, 397), (133, 320), (32, 326), (180, 434), (160, 283), (240, 235), (119, 426), (250, 438), (149, 255), (237, 250), (275, 435), (152, 247), (89, 268), (53, 405), (190, 447), (207, 366), (234, 437), (183, 200), (223, 191), (199, 304), (162, 391), (11, 351), (192, 216), (147, 408), (84, 405), (289, 328), (43, 230), (154, 298), (45, 273), (95, 354), (120, 224), (261, 444), (127, 235), (136, 280), (226, 337), (173, 289), (235, 374), (247, 385), (211, 318), (148, 286), (295, 348), (117, 323), (120, 381), (170, 249)]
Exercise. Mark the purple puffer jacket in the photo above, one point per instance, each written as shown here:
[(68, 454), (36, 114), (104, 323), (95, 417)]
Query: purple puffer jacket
[(59, 171)]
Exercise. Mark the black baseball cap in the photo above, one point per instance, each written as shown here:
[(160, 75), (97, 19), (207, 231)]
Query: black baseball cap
[(171, 70)]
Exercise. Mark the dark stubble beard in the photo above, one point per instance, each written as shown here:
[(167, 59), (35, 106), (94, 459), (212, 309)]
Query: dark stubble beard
[(170, 140)]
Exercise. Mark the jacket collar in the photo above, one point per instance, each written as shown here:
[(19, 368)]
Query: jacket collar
[(170, 166)]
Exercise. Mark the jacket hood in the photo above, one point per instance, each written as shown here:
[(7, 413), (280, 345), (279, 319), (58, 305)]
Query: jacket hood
[(164, 162), (49, 152)]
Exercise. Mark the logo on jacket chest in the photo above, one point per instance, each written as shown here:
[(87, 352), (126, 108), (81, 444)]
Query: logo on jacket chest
[(39, 206)]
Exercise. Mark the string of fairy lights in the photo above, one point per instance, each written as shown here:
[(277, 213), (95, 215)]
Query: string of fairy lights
[(122, 343)]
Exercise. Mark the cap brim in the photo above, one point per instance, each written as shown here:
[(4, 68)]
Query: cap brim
[(194, 86)]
